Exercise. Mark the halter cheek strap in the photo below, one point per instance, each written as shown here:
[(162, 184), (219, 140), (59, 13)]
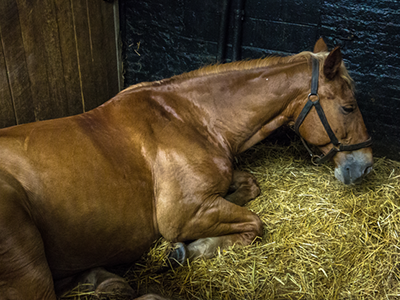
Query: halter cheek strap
[(337, 146)]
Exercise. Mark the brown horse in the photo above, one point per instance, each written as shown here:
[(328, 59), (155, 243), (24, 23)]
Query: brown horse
[(96, 189)]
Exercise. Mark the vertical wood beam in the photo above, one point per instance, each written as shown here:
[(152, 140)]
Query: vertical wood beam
[(42, 50), (15, 64), (7, 112)]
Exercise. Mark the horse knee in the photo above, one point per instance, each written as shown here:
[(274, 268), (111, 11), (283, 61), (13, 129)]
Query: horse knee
[(244, 188), (253, 230), (258, 227), (243, 178)]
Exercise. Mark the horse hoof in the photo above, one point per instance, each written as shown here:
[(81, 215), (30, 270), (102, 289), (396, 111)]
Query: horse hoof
[(178, 255), (116, 286)]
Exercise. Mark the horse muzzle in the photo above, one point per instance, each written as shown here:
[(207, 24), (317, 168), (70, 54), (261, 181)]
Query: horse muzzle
[(351, 167)]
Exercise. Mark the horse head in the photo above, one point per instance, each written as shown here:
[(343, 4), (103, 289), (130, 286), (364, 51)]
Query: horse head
[(331, 119)]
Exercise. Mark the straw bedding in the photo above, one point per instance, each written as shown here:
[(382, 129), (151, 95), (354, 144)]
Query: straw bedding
[(322, 239)]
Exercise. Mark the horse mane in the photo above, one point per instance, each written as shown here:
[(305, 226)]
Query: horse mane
[(248, 65), (245, 65)]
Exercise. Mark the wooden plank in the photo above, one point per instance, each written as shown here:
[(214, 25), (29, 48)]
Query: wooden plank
[(84, 52), (69, 50), (118, 44), (99, 50), (14, 57), (42, 47), (96, 50), (112, 40), (7, 116)]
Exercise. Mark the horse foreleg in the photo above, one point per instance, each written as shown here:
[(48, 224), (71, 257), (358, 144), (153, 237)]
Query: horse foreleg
[(218, 224), (207, 247), (243, 188)]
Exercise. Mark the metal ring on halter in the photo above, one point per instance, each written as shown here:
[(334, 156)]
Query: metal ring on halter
[(311, 94), (315, 157)]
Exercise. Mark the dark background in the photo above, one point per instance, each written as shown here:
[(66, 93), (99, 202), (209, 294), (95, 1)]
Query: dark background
[(162, 38)]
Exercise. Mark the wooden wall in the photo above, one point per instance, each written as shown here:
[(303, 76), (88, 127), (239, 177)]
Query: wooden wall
[(57, 58)]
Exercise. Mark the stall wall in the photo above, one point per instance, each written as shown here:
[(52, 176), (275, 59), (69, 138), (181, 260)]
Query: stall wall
[(57, 58)]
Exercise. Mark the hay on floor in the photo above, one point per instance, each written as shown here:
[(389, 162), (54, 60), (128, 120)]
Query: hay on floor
[(322, 239)]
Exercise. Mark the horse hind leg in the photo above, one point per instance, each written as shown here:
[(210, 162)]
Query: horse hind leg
[(102, 283), (96, 280), (243, 188), (24, 272)]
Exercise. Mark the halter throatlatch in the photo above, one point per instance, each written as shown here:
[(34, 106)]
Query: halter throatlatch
[(337, 146)]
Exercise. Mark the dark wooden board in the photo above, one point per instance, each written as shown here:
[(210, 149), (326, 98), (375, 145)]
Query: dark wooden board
[(15, 60), (41, 43), (110, 37), (85, 54), (69, 49), (57, 58), (7, 116)]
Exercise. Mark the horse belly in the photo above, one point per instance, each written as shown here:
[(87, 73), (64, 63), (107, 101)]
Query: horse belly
[(98, 230), (99, 213)]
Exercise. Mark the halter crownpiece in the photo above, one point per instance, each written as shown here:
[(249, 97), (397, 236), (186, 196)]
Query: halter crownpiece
[(337, 146)]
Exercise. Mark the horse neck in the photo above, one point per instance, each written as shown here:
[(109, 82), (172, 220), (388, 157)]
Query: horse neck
[(243, 107)]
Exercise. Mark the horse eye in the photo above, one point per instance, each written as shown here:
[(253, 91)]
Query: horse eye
[(348, 109)]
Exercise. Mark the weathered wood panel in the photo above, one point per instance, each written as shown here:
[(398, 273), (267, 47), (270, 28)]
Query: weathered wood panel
[(57, 58), (41, 44), (14, 60), (7, 117), (84, 50), (69, 48), (110, 37)]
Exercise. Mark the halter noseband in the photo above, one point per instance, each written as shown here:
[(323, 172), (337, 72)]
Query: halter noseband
[(337, 146)]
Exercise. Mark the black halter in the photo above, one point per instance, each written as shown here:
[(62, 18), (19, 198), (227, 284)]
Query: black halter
[(337, 146)]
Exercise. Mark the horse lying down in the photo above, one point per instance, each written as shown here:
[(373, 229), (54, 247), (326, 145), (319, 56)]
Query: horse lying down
[(94, 190)]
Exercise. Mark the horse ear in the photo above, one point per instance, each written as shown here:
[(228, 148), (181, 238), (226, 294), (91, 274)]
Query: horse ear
[(332, 63), (320, 46)]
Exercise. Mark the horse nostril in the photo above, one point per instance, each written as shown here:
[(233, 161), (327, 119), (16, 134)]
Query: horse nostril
[(347, 176), (367, 170)]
